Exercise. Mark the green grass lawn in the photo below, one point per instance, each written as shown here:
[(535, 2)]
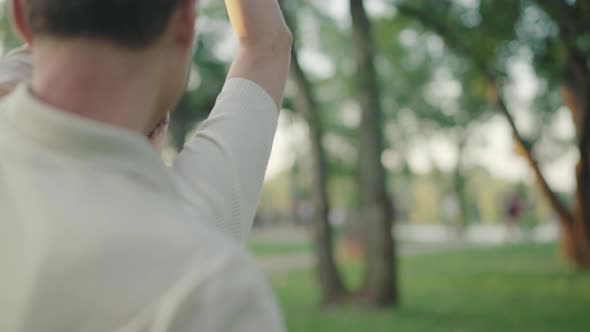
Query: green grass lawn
[(520, 288), (265, 249)]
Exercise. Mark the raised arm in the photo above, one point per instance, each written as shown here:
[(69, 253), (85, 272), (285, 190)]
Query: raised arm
[(223, 166), (265, 41)]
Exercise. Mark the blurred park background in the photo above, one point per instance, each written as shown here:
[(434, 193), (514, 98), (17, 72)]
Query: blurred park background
[(431, 168)]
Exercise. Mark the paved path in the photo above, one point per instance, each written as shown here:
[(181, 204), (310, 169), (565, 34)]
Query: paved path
[(412, 240), (304, 261)]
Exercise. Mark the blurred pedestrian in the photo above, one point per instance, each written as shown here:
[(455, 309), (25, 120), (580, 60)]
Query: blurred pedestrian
[(513, 208)]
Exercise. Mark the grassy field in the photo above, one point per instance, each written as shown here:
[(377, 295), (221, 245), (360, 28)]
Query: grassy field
[(520, 288), (265, 249)]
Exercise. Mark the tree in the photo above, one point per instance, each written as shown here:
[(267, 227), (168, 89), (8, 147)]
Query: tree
[(381, 284), (483, 47), (306, 104), (10, 38), (574, 33), (437, 89)]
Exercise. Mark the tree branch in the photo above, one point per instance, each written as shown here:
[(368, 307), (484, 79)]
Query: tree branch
[(449, 37)]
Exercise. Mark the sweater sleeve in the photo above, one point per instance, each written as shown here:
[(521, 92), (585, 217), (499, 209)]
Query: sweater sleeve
[(224, 164)]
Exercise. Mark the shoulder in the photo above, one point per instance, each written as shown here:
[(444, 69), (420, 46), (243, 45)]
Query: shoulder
[(229, 294), (15, 68)]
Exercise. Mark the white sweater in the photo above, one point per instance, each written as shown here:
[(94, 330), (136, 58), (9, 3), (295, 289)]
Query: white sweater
[(98, 235)]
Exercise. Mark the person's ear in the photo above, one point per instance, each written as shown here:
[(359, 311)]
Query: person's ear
[(19, 20), (183, 23)]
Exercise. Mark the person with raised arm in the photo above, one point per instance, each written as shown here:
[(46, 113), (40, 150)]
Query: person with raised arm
[(97, 234)]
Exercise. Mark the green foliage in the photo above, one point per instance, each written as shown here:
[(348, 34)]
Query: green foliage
[(210, 70), (197, 104), (9, 37), (490, 35), (265, 249), (521, 288)]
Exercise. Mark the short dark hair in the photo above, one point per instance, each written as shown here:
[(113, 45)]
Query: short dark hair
[(129, 23)]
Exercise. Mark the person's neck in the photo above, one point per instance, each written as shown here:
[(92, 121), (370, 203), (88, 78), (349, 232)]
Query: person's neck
[(97, 81)]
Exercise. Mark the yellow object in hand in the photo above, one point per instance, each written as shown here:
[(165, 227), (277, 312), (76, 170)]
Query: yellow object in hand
[(235, 9)]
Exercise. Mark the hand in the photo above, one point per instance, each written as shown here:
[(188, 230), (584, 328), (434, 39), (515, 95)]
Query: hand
[(265, 44), (256, 21)]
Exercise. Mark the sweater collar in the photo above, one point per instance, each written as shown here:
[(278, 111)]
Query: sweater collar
[(84, 139)]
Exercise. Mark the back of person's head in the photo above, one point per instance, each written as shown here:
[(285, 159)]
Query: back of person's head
[(129, 23), (157, 35)]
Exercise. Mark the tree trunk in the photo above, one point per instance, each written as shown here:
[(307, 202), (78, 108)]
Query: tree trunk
[(575, 239), (331, 284), (381, 284), (459, 187), (571, 21), (576, 234), (333, 289)]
